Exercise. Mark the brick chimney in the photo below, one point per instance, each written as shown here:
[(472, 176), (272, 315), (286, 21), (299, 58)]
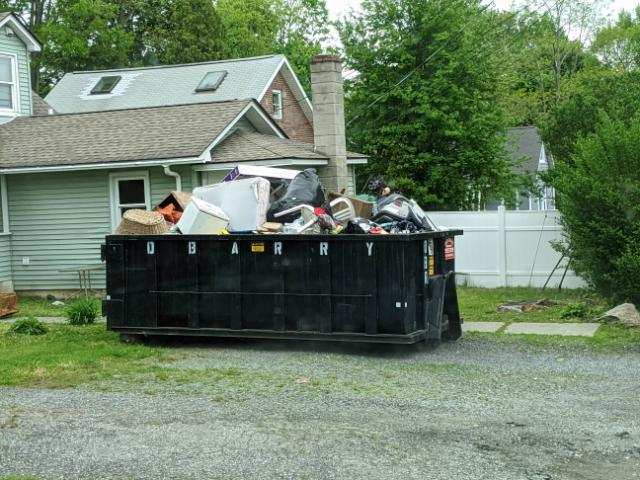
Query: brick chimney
[(328, 119)]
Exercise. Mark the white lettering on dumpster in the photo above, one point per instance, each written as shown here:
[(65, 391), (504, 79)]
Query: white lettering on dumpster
[(151, 248), (192, 248), (370, 248), (234, 249), (277, 248), (324, 248)]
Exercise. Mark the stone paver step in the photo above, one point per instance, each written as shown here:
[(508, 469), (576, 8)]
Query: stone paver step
[(562, 329), (484, 327)]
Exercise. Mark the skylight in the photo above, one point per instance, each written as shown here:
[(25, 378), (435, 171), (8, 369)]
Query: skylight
[(211, 81), (105, 84)]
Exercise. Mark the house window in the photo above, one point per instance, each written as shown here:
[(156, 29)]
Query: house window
[(105, 85), (276, 96), (128, 191), (211, 81), (8, 100)]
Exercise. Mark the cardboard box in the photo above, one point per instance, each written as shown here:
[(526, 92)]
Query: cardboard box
[(8, 303)]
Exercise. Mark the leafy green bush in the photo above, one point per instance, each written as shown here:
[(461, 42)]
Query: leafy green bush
[(28, 326), (575, 310), (83, 311), (598, 194)]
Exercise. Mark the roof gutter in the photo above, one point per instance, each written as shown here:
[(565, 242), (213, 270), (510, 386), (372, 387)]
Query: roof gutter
[(4, 205), (103, 166), (176, 175)]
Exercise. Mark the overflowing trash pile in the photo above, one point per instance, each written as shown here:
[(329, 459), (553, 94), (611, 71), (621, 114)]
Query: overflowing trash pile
[(270, 200)]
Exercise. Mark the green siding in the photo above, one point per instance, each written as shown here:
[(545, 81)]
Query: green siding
[(5, 258), (13, 45), (59, 220)]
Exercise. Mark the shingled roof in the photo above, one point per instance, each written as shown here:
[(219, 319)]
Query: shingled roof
[(181, 131), (40, 107), (164, 85), (242, 146), (524, 146)]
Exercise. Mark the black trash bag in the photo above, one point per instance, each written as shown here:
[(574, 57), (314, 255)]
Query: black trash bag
[(304, 189), (359, 226)]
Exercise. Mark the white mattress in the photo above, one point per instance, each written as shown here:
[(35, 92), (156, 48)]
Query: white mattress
[(244, 201)]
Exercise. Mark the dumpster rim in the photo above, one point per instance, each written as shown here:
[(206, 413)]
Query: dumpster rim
[(409, 237)]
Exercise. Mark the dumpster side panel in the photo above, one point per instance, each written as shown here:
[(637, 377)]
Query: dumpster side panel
[(263, 286), (140, 276), (353, 286), (219, 278), (392, 299), (307, 281), (113, 306), (175, 283)]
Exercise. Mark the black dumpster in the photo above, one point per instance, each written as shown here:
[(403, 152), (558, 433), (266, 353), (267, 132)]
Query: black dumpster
[(369, 288)]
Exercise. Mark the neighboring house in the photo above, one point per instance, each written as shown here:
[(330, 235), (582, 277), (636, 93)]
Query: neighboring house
[(527, 151), (111, 140)]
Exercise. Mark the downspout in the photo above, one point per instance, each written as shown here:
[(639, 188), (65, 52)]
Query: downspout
[(176, 175), (4, 204)]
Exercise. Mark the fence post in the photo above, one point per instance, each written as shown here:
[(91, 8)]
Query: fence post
[(502, 246)]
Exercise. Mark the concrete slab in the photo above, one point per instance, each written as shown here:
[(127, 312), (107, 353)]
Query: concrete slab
[(562, 329), (484, 327)]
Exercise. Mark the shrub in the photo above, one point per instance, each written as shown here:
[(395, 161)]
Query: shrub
[(28, 326), (82, 312), (575, 310), (598, 194)]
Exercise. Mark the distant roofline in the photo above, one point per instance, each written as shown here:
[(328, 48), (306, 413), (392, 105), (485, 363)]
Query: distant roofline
[(522, 127), (156, 67), (246, 100)]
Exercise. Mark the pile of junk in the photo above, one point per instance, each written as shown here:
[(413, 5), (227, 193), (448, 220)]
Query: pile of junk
[(267, 200)]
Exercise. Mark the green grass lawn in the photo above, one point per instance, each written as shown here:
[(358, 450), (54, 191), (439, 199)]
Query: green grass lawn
[(481, 304), (68, 356), (41, 307)]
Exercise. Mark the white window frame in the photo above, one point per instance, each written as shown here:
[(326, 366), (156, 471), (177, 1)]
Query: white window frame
[(15, 88), (277, 109), (114, 193)]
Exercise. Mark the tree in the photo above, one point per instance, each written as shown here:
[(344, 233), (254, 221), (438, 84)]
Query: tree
[(578, 18), (425, 104), (304, 31), (81, 35), (618, 45), (584, 98), (598, 194), (250, 26), (177, 31), (295, 28), (530, 77)]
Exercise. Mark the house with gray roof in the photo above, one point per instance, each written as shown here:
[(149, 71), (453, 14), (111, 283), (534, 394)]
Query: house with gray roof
[(105, 141), (529, 159)]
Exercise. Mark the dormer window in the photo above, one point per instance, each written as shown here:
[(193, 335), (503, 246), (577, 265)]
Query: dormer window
[(276, 96), (8, 83), (211, 81), (105, 85)]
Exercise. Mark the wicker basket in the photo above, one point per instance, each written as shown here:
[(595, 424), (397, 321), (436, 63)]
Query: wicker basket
[(142, 222)]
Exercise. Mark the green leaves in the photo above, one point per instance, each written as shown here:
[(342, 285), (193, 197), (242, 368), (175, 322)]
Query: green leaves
[(437, 136), (102, 34), (599, 196)]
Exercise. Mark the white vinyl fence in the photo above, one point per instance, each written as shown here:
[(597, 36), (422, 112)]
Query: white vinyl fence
[(507, 248)]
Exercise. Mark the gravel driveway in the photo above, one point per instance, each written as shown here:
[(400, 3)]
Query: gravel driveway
[(476, 409)]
